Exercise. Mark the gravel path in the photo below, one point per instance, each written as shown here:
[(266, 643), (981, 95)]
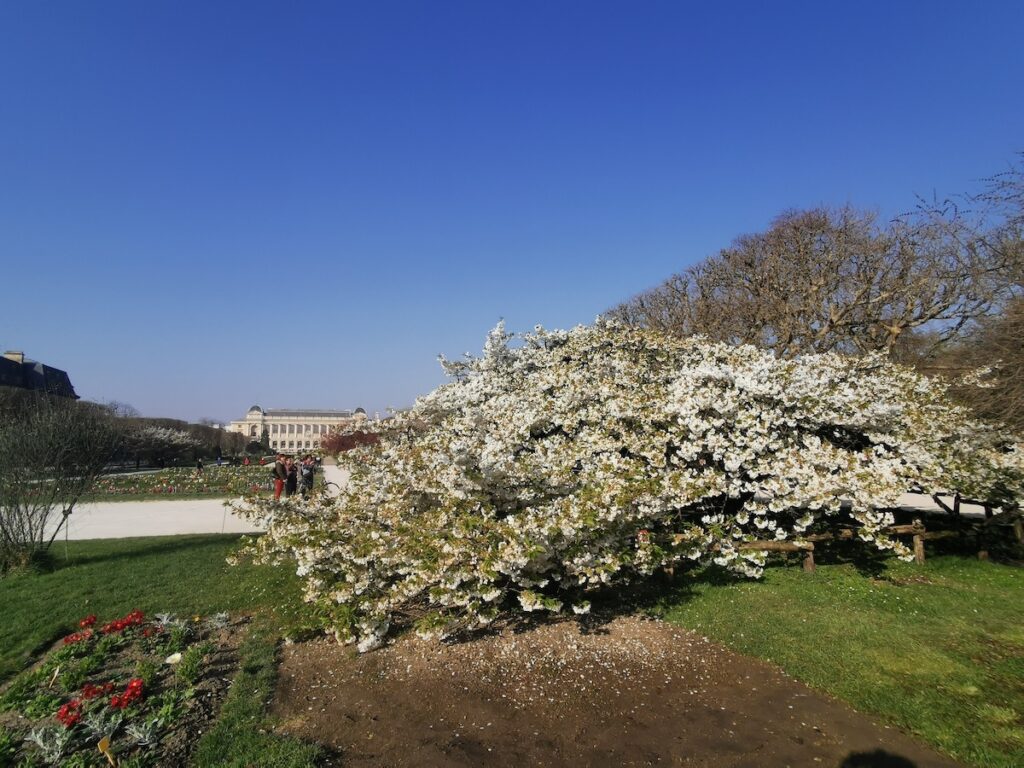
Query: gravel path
[(124, 519)]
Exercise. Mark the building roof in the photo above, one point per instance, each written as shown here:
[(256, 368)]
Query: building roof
[(286, 413), (18, 371)]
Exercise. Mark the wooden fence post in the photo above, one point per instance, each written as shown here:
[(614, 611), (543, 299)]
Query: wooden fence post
[(918, 542), (809, 560)]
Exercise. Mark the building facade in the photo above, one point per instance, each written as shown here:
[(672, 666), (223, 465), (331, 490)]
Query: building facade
[(18, 371), (292, 431)]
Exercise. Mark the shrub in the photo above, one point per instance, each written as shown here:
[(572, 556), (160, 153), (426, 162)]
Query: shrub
[(51, 451), (562, 461)]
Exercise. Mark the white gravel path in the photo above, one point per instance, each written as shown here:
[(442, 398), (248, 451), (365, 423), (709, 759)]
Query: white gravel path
[(123, 519)]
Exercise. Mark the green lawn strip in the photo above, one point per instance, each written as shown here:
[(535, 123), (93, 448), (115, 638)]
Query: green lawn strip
[(242, 735), (177, 574), (937, 650), (186, 575)]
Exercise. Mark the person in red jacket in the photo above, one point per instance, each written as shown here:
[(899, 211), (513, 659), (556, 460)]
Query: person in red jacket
[(280, 473)]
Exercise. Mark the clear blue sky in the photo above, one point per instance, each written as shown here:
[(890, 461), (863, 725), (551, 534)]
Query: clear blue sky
[(206, 205)]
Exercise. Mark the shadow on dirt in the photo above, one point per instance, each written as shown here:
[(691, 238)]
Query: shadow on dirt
[(879, 758)]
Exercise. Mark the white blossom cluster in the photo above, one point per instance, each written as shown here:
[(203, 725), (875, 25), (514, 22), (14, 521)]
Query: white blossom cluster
[(561, 461), (150, 437)]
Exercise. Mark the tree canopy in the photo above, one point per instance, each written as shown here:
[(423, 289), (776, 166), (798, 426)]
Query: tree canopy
[(562, 461)]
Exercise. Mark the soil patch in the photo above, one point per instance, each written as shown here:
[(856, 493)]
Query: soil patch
[(632, 692)]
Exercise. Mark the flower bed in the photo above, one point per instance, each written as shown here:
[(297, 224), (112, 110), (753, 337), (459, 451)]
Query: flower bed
[(132, 691), (213, 481)]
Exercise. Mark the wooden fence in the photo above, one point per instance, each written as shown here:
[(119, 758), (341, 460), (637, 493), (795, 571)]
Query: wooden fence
[(984, 531)]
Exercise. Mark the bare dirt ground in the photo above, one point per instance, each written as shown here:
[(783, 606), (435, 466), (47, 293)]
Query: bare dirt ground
[(631, 692)]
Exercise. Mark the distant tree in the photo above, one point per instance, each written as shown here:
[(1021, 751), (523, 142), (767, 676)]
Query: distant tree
[(987, 367), (338, 442), (51, 451), (823, 280), (990, 364), (151, 443), (232, 443)]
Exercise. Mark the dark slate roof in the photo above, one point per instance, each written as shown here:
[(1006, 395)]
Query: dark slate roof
[(37, 376)]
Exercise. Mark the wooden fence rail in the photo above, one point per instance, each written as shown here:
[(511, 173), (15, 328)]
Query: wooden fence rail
[(916, 529)]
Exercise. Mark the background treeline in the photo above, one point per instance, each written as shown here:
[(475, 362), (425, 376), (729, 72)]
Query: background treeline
[(140, 441), (940, 288), (156, 441)]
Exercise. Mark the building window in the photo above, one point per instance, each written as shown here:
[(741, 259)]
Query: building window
[(252, 432), (273, 429), (316, 443), (273, 444)]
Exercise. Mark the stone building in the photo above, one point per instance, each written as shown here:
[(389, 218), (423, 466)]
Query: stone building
[(18, 371), (292, 431)]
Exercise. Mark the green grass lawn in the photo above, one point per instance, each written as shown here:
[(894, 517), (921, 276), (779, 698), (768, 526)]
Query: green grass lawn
[(937, 650), (185, 575)]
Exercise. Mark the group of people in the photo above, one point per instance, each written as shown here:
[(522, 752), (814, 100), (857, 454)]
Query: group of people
[(291, 475)]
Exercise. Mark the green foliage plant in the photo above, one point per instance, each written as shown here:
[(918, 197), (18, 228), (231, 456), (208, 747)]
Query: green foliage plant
[(190, 668)]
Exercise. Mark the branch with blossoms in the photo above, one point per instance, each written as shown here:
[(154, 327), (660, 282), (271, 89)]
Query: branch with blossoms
[(561, 462)]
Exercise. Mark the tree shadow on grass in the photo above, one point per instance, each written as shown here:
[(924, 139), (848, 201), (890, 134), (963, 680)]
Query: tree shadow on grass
[(655, 595), (133, 549), (868, 561)]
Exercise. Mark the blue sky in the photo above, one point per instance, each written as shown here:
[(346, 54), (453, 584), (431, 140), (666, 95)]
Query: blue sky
[(206, 205)]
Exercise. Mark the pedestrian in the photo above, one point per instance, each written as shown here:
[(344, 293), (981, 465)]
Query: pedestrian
[(280, 475), (306, 472), (199, 467), (291, 482), (245, 462)]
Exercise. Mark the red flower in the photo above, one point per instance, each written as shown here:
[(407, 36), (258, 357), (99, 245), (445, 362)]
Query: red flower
[(133, 619), (70, 713), (88, 621), (132, 693), (77, 637), (90, 691)]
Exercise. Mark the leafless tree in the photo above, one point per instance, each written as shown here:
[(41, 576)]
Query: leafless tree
[(997, 342), (51, 451), (995, 345), (835, 279)]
